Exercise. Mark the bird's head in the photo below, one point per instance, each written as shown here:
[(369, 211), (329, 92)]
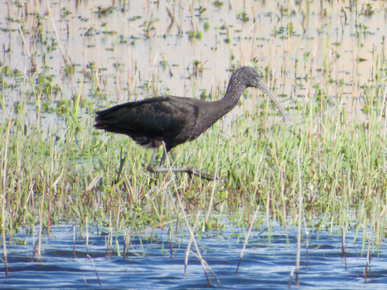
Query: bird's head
[(246, 76)]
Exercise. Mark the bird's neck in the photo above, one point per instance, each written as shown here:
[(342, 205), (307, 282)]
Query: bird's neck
[(229, 101)]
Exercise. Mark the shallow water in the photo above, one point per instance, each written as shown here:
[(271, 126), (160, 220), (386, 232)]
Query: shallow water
[(329, 51), (137, 51), (265, 264)]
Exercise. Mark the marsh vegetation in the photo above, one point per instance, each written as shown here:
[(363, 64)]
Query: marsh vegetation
[(322, 173)]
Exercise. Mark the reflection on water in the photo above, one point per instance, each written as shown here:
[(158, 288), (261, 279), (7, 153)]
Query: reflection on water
[(139, 49), (267, 262), (120, 55)]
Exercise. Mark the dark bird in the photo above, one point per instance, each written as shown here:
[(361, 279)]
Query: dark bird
[(175, 120)]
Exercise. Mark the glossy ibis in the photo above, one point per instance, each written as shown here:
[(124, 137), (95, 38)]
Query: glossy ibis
[(175, 120)]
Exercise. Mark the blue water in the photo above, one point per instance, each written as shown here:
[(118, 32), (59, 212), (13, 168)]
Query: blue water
[(266, 263)]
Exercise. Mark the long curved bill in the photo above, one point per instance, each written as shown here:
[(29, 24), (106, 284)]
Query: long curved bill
[(264, 89)]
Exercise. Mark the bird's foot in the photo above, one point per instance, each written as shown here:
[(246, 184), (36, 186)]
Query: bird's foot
[(189, 171), (151, 169), (202, 174)]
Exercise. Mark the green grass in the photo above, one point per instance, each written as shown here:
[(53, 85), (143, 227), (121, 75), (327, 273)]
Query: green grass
[(70, 173)]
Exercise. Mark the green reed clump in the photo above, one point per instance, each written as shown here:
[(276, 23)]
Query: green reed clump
[(71, 172)]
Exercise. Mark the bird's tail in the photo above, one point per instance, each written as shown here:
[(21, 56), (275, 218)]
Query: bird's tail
[(108, 119)]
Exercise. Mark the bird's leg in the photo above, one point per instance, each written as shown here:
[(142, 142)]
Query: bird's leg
[(152, 160), (164, 156), (187, 170)]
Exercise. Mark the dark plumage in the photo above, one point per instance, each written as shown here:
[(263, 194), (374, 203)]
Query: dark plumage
[(175, 120)]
